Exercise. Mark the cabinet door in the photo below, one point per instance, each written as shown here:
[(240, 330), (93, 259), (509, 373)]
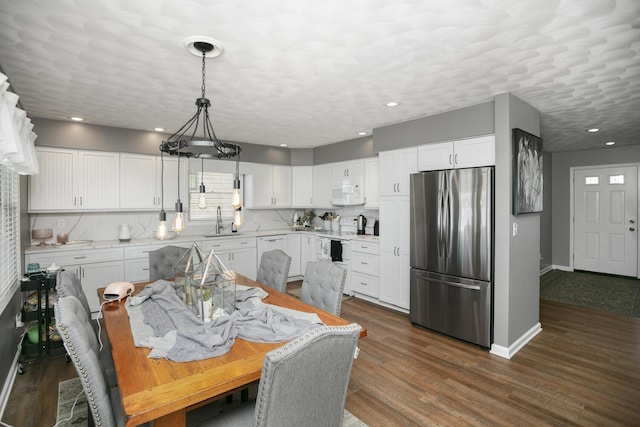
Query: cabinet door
[(243, 261), (53, 187), (171, 182), (475, 152), (99, 275), (322, 175), (364, 284), (294, 251), (435, 156), (138, 182), (259, 187), (99, 183), (136, 270), (371, 183), (307, 251), (395, 168), (394, 241), (301, 186), (281, 186)]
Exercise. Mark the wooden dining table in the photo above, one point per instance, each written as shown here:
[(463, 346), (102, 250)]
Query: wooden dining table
[(163, 391)]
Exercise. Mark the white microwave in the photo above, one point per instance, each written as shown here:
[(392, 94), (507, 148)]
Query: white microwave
[(349, 192)]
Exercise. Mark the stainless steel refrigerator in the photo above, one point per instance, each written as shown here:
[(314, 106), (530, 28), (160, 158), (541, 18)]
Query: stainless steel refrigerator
[(451, 253)]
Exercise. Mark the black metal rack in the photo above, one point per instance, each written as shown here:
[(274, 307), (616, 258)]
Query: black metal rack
[(42, 315)]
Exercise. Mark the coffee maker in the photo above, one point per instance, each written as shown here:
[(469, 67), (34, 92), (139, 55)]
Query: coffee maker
[(362, 224)]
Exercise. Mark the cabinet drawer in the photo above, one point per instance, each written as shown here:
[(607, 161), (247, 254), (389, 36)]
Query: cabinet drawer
[(364, 263), (139, 251), (366, 247), (225, 244), (136, 270), (85, 256), (364, 284)]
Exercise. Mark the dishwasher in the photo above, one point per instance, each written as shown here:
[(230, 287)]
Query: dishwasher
[(269, 243)]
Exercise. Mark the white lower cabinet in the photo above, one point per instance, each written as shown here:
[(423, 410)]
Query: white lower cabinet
[(96, 268), (136, 260), (294, 251), (237, 254), (364, 268), (394, 242), (307, 251)]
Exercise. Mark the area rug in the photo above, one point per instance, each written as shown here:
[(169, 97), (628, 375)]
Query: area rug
[(616, 294), (68, 391)]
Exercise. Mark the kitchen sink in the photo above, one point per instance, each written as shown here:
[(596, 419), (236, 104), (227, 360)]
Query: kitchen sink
[(221, 235)]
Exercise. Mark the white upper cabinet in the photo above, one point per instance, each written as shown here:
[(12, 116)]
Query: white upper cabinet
[(140, 181), (342, 171), (322, 175), (371, 183), (301, 186), (463, 153), (74, 180), (267, 186), (395, 168)]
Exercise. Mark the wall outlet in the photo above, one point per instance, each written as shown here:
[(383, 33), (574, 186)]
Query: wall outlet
[(19, 322), (515, 229), (61, 223)]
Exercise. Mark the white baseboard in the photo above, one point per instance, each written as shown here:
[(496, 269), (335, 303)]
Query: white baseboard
[(562, 267), (509, 352), (546, 270), (8, 385)]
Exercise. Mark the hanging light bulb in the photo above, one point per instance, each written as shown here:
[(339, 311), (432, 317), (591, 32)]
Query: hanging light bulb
[(202, 201), (235, 195), (178, 220), (237, 217), (161, 232)]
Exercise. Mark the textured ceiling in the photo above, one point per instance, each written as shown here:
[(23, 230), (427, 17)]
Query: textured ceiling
[(310, 73)]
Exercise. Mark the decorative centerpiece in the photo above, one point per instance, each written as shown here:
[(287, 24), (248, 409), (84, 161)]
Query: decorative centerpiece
[(209, 287), (184, 272)]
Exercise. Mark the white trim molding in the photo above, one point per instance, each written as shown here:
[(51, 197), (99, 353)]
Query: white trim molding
[(509, 352)]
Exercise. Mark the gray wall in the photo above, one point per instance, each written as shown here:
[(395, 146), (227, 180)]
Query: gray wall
[(302, 157), (55, 133), (465, 122), (517, 284), (358, 148), (562, 162), (10, 335), (546, 215)]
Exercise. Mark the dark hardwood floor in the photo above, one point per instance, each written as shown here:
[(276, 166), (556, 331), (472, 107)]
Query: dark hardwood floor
[(582, 369)]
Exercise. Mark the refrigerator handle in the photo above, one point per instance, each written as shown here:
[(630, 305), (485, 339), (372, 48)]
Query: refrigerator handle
[(440, 221)]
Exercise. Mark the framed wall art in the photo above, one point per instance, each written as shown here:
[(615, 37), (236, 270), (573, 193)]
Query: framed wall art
[(527, 172)]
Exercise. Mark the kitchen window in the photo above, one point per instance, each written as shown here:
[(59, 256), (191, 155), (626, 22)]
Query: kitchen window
[(10, 229), (218, 188)]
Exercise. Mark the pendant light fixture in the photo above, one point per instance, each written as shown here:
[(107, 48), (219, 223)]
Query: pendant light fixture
[(237, 217), (161, 233), (235, 195), (185, 141), (178, 220), (202, 201)]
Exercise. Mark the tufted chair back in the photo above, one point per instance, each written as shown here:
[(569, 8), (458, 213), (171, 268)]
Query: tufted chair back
[(274, 269), (322, 286), (68, 284), (83, 348), (163, 261)]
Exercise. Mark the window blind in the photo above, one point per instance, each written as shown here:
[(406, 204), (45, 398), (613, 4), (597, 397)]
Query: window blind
[(219, 187), (10, 235)]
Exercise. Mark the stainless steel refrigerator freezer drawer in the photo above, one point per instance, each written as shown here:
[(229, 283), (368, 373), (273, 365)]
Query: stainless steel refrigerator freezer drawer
[(454, 306)]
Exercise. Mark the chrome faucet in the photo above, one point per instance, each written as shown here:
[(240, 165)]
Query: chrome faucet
[(219, 220)]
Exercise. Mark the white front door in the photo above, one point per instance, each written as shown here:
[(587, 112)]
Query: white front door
[(606, 215)]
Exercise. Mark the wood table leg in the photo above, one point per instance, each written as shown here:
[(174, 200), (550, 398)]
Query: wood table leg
[(178, 418)]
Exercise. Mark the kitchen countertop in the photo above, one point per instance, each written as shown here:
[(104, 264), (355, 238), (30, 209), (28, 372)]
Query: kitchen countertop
[(105, 244)]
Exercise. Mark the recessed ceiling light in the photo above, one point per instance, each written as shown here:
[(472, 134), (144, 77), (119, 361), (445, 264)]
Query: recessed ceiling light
[(610, 143), (392, 104), (593, 130), (283, 145), (362, 133), (76, 119), (159, 129)]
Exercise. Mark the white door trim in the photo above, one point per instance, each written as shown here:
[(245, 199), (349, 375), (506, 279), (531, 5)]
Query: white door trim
[(572, 201)]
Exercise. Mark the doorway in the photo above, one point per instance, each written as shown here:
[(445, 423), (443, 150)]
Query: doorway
[(605, 211)]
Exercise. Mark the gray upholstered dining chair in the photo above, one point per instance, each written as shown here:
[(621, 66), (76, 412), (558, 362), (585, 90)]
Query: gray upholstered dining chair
[(274, 269), (303, 383), (322, 286), (81, 344), (68, 284), (163, 261)]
